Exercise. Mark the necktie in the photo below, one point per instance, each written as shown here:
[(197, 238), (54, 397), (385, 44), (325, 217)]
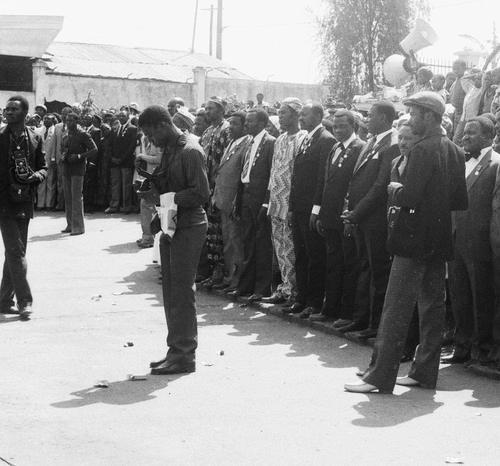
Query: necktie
[(46, 134), (402, 165), (472, 155), (340, 154), (365, 153), (246, 165)]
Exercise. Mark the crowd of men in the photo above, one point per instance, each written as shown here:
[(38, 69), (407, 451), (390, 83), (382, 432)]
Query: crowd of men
[(297, 204)]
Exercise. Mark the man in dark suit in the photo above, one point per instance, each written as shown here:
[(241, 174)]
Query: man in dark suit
[(123, 144), (227, 179), (256, 273), (494, 354), (22, 162), (341, 261), (310, 250), (432, 186), (471, 271), (366, 211)]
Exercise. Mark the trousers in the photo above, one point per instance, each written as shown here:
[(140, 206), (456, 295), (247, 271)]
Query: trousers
[(73, 196)]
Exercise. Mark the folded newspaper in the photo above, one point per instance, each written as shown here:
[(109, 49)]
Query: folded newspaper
[(167, 211)]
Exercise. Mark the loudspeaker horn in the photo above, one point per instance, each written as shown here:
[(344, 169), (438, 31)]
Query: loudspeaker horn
[(422, 35), (394, 70)]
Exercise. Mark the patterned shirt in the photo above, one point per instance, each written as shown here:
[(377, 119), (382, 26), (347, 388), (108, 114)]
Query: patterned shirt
[(280, 181), (214, 141)]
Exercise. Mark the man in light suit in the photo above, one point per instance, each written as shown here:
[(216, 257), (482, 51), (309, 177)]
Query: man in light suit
[(256, 273), (47, 132), (471, 272), (227, 179), (366, 213), (55, 193), (341, 262), (431, 187)]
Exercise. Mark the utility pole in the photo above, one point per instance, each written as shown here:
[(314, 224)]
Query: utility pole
[(218, 53), (211, 31), (194, 26)]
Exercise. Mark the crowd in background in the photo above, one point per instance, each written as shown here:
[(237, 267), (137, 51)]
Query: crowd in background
[(298, 206)]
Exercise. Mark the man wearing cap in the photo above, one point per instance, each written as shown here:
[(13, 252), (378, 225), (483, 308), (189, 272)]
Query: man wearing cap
[(134, 109), (471, 271), (276, 204), (174, 104), (214, 141), (41, 110), (365, 216), (183, 119), (432, 186)]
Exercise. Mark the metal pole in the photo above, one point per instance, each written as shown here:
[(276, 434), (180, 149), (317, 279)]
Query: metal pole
[(194, 26), (218, 53), (211, 29)]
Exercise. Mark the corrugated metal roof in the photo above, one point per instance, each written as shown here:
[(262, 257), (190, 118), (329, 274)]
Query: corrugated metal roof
[(114, 61)]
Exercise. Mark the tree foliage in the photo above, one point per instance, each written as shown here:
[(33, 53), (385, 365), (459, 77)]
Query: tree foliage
[(356, 36)]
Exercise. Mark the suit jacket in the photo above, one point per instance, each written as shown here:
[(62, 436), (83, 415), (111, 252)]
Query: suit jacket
[(495, 217), (334, 184), (48, 143), (228, 175), (308, 171), (434, 183), (123, 144), (252, 195), (471, 228), (367, 194), (59, 131), (36, 161)]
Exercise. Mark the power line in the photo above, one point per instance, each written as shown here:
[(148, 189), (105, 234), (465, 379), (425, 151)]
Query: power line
[(455, 4)]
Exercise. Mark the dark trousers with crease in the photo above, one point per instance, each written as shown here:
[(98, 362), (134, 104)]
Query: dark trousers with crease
[(342, 272), (374, 269), (15, 268), (310, 262), (411, 281), (179, 261)]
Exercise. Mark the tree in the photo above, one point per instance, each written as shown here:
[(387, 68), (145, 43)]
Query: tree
[(356, 36)]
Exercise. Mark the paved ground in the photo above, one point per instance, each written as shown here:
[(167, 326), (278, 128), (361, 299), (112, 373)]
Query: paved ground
[(274, 397)]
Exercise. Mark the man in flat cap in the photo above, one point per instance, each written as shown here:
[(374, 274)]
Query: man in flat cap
[(183, 119), (431, 187)]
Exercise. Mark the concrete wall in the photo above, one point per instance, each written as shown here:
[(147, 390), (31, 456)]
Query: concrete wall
[(6, 95), (273, 91), (110, 92)]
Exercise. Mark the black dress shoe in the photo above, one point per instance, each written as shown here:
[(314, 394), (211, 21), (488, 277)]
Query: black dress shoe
[(255, 297), (455, 359), (9, 310), (295, 309), (367, 333), (352, 327), (173, 368), (220, 286), (274, 299), (76, 233), (66, 230), (341, 323), (25, 312), (234, 294), (111, 210), (154, 364), (308, 312), (288, 303)]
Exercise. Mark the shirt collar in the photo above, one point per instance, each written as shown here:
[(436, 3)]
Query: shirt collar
[(348, 142), (311, 133), (259, 137), (381, 136)]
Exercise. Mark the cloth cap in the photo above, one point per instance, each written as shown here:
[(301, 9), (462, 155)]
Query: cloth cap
[(134, 106), (427, 100), (218, 100), (293, 102), (41, 106), (185, 115)]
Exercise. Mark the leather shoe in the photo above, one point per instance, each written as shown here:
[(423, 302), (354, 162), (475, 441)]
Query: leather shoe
[(406, 358), (308, 312), (25, 312), (455, 359), (274, 299), (167, 368), (352, 327), (363, 387), (76, 233), (320, 317), (154, 364), (220, 286), (66, 230), (365, 334), (407, 382), (111, 210), (342, 323), (146, 244), (234, 294), (288, 303), (294, 309), (9, 310), (255, 297)]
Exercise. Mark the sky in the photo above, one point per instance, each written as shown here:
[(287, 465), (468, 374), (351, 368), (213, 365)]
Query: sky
[(273, 40)]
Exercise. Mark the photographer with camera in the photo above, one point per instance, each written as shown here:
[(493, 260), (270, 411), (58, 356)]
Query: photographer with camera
[(22, 168)]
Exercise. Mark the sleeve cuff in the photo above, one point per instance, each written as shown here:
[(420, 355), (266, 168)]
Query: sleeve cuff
[(316, 209)]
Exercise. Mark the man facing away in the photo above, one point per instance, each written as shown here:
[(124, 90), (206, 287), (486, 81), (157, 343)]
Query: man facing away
[(181, 171), (432, 187), (22, 162)]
